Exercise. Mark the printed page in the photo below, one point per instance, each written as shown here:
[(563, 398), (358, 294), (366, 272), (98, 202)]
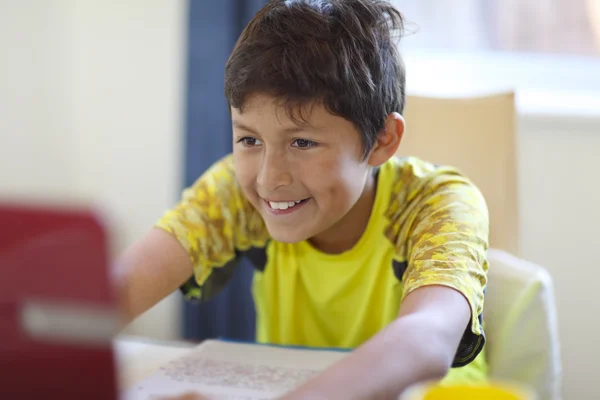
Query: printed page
[(234, 371)]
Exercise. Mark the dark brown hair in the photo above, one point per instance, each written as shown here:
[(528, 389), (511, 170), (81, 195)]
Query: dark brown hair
[(341, 53)]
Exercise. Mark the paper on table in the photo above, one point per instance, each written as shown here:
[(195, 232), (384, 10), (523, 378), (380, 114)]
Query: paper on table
[(234, 371)]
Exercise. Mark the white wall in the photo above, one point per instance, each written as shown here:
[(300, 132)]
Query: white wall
[(560, 220), (91, 105), (129, 75), (34, 94)]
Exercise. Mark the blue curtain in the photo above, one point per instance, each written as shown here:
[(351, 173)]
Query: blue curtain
[(214, 27)]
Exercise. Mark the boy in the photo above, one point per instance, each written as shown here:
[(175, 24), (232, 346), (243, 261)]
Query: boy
[(353, 247)]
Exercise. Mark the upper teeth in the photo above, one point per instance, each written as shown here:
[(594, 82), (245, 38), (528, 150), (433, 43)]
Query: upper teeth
[(283, 205)]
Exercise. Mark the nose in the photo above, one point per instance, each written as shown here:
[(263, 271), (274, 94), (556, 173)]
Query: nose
[(274, 171)]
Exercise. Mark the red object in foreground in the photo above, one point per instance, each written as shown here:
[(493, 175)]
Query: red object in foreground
[(56, 305)]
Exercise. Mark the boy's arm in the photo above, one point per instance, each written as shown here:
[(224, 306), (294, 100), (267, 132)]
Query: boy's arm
[(420, 345), (204, 231), (149, 271)]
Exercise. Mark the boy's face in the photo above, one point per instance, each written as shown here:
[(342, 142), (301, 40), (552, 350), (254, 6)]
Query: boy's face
[(302, 179)]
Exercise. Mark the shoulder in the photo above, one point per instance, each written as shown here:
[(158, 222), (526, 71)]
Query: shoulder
[(423, 196), (215, 206), (217, 190), (414, 183), (411, 178), (219, 178)]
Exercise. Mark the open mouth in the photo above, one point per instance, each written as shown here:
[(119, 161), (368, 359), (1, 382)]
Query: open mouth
[(284, 205)]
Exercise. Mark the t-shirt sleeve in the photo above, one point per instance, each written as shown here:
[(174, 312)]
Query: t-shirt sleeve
[(447, 246), (213, 222)]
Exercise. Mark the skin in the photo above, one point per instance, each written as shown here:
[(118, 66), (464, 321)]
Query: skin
[(321, 162)]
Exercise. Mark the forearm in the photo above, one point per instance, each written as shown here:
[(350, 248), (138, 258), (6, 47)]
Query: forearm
[(406, 352)]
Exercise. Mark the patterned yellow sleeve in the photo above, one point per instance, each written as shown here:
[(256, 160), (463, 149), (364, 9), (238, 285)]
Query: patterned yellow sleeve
[(447, 246), (214, 222)]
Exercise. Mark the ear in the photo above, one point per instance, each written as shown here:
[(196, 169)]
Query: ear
[(388, 140)]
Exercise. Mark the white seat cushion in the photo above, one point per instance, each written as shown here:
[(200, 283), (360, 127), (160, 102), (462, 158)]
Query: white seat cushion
[(521, 325)]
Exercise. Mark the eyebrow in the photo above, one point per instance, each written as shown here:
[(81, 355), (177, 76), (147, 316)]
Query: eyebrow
[(290, 130)]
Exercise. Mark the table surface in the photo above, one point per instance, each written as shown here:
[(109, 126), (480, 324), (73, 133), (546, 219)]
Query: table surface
[(138, 358)]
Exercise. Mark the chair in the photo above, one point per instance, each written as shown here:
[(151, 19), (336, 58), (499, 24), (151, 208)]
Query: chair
[(478, 136), (521, 324)]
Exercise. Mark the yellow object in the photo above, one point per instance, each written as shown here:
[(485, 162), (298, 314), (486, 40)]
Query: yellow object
[(468, 392)]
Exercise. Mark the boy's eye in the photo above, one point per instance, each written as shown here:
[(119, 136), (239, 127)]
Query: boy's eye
[(250, 141), (303, 143)]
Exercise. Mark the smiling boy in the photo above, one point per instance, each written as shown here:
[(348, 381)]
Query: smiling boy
[(352, 246)]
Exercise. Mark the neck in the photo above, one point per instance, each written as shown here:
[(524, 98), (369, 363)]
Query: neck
[(347, 232)]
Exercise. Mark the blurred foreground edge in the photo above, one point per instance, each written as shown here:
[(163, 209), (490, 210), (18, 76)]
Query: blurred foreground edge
[(57, 315)]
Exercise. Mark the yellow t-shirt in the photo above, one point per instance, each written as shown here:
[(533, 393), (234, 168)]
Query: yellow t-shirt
[(428, 225)]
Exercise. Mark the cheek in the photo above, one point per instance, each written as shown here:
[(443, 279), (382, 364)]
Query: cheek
[(245, 174), (341, 184)]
